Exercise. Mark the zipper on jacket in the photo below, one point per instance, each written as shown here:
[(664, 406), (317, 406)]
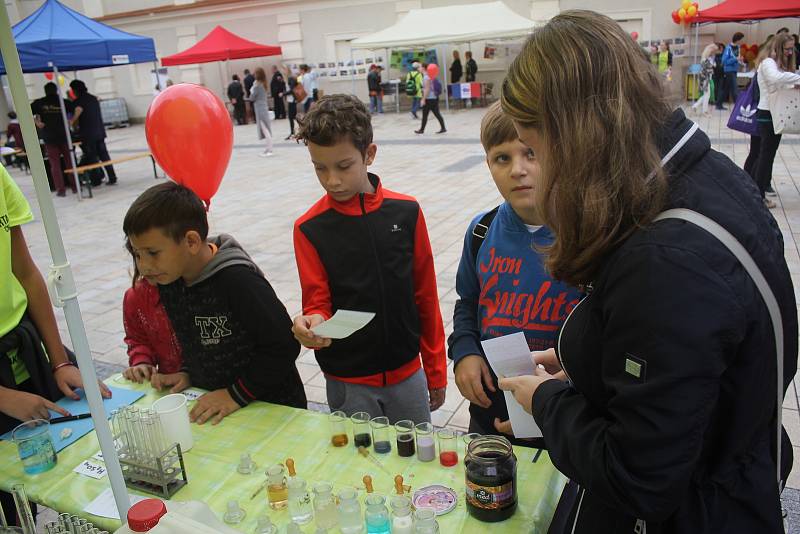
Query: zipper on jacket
[(578, 511), (380, 276), (589, 288)]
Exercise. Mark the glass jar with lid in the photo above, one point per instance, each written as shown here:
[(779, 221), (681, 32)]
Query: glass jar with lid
[(491, 479)]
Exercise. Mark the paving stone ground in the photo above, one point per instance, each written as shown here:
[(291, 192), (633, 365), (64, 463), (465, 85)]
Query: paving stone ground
[(261, 197)]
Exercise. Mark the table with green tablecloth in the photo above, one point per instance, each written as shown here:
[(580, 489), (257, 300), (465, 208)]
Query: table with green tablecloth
[(272, 433)]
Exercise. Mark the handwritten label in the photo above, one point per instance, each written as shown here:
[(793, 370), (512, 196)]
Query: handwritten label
[(193, 393), (90, 469)]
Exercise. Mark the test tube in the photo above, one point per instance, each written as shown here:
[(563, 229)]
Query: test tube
[(381, 438), (64, 522), (426, 446), (160, 441), (362, 437)]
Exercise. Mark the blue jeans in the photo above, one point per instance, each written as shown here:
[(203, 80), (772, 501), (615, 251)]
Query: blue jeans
[(376, 104), (415, 103)]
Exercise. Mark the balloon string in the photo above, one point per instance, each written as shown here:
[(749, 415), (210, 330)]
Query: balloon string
[(207, 204)]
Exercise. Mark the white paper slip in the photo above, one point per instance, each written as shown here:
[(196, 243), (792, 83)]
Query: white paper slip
[(98, 456), (105, 506), (344, 323), (510, 356), (90, 469), (193, 393)]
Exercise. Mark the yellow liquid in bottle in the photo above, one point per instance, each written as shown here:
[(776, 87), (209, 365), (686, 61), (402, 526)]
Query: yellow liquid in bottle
[(277, 496)]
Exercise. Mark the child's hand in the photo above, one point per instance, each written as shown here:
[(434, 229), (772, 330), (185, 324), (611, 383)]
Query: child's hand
[(436, 398), (139, 373), (472, 373), (504, 427), (177, 381), (68, 378), (216, 405), (25, 406), (302, 331)]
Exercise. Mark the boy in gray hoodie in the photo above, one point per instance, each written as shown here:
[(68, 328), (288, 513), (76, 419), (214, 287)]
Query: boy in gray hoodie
[(234, 332)]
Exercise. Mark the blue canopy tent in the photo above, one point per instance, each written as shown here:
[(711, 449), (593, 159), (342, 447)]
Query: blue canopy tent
[(55, 38)]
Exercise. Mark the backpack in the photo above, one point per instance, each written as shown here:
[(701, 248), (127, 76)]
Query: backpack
[(480, 231), (411, 84), (437, 87)]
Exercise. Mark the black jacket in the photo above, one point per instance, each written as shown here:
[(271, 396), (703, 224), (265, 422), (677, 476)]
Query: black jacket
[(671, 420), (236, 91), (234, 332), (472, 70), (455, 71), (277, 85)]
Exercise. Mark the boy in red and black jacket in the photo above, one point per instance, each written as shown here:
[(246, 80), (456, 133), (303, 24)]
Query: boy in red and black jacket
[(365, 248)]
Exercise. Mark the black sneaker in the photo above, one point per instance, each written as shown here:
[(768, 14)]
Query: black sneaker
[(771, 192), (419, 132), (442, 131), (111, 182)]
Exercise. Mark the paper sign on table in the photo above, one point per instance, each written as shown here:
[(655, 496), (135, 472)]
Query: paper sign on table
[(510, 356), (193, 393), (90, 469), (344, 323), (120, 397), (105, 506)]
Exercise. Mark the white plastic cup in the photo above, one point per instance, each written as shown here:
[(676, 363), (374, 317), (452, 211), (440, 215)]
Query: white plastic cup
[(174, 417)]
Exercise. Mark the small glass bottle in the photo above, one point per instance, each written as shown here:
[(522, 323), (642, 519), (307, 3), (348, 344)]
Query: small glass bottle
[(491, 473), (299, 500), (325, 513), (402, 522), (277, 492), (376, 515), (425, 521), (265, 526), (350, 520)]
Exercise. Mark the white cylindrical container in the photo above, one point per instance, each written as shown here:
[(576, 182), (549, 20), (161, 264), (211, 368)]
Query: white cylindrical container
[(174, 417)]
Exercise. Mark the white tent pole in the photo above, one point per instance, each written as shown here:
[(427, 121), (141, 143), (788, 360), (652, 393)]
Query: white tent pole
[(72, 163), (444, 70), (61, 270), (353, 68), (158, 79)]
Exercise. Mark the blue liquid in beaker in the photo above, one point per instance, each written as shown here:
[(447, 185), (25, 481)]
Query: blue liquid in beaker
[(35, 447)]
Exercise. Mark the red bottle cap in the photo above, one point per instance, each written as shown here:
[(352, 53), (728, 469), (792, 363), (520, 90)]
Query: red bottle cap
[(145, 514)]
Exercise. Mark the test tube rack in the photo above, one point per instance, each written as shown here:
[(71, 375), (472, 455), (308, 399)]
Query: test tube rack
[(162, 475), (148, 462), (72, 524)]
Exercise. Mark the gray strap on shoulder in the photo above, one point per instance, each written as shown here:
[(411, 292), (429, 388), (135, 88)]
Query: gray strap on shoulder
[(736, 248)]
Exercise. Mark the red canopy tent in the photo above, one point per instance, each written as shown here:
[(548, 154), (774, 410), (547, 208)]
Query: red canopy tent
[(741, 10), (220, 45)]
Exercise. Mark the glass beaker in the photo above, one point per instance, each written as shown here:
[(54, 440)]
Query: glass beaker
[(405, 438), (350, 520), (362, 436), (277, 492), (35, 446), (448, 447), (376, 515), (381, 439), (325, 513), (426, 447), (338, 422)]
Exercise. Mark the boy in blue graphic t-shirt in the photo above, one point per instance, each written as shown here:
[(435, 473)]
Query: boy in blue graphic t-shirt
[(502, 284)]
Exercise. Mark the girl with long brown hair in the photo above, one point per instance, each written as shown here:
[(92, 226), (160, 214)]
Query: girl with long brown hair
[(668, 422), (776, 71)]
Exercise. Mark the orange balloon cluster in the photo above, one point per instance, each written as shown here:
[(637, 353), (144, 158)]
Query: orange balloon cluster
[(749, 53), (686, 13)]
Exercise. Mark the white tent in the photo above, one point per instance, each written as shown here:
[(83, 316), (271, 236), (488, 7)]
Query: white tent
[(447, 25)]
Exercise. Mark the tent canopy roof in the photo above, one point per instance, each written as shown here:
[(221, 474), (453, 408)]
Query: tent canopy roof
[(220, 45), (451, 24), (741, 10), (56, 34)]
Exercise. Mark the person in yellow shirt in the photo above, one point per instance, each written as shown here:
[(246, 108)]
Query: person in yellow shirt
[(34, 367)]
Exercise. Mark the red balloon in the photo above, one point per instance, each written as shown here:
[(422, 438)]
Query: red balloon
[(433, 70), (48, 75), (676, 18), (190, 134), (635, 36)]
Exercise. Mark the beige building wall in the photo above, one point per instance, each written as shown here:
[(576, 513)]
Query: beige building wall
[(319, 31)]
